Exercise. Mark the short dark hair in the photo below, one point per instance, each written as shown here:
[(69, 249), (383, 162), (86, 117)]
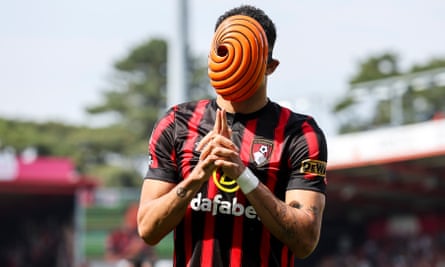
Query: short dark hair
[(258, 15)]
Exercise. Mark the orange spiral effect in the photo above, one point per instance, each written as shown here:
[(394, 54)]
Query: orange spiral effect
[(238, 58)]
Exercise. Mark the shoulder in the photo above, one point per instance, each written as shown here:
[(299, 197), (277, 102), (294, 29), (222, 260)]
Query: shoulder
[(295, 120), (191, 105), (182, 110)]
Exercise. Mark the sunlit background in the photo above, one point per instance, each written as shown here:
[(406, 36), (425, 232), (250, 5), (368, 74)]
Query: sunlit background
[(82, 82), (61, 53)]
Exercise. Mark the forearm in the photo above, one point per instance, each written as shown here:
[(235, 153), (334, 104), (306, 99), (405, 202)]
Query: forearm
[(158, 216), (295, 225)]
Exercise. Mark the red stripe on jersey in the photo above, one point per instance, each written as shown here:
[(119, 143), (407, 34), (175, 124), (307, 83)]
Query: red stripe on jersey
[(311, 139), (312, 144), (273, 179), (162, 125), (209, 229), (193, 134), (237, 237), (248, 136), (284, 252), (278, 144), (190, 145), (278, 147)]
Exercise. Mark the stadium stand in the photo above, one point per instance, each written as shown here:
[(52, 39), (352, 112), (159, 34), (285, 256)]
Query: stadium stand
[(386, 199), (40, 203)]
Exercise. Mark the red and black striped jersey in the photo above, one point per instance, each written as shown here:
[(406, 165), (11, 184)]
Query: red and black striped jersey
[(285, 150)]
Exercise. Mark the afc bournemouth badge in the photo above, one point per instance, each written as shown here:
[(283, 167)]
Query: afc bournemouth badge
[(261, 151)]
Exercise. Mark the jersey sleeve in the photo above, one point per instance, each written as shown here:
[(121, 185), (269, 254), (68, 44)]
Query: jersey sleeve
[(161, 150), (308, 159)]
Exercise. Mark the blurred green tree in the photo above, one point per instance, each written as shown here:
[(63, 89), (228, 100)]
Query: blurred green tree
[(115, 152), (136, 98), (373, 83)]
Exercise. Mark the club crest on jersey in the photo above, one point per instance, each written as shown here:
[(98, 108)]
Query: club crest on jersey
[(261, 151), (223, 182)]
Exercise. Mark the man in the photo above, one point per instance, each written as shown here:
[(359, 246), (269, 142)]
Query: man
[(242, 183)]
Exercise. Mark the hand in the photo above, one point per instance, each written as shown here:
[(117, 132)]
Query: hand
[(218, 143), (203, 170), (205, 166)]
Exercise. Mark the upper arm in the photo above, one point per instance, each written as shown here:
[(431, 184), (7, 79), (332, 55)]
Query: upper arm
[(307, 200), (311, 206), (152, 210), (153, 189), (308, 211)]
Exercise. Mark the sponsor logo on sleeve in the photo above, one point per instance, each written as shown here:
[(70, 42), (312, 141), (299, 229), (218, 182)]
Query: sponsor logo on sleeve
[(314, 167)]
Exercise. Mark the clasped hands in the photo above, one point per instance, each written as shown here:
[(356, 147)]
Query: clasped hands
[(218, 150)]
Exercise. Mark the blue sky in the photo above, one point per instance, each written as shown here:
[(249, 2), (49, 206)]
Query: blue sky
[(57, 55)]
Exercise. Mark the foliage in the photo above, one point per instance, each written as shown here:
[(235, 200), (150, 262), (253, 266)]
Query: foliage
[(22, 134), (417, 103), (138, 88), (87, 147), (376, 67), (135, 97), (433, 64)]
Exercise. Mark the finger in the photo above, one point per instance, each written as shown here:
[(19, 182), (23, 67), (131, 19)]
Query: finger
[(225, 130), (230, 133), (204, 141), (219, 146), (217, 126), (208, 163), (224, 153), (206, 150), (225, 164), (224, 141), (216, 129)]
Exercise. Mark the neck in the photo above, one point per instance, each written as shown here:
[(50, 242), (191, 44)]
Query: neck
[(254, 103)]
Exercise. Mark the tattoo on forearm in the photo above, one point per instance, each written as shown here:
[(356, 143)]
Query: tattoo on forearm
[(295, 204), (290, 224), (287, 225), (313, 210), (180, 192)]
